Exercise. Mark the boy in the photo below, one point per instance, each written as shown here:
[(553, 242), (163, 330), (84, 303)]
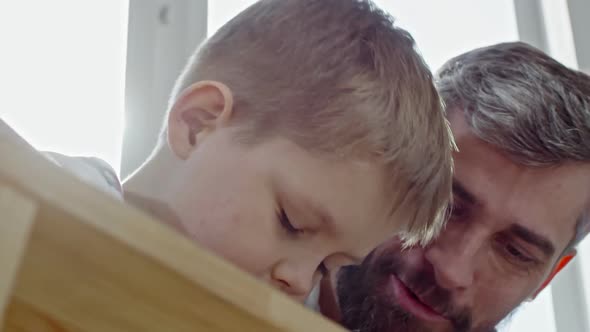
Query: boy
[(300, 136)]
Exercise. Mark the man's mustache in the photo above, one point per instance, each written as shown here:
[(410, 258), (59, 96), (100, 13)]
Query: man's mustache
[(423, 284)]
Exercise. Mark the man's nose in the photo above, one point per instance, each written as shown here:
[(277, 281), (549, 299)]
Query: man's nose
[(296, 279), (453, 257)]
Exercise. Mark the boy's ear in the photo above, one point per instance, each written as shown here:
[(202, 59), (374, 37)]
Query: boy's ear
[(200, 109), (563, 262)]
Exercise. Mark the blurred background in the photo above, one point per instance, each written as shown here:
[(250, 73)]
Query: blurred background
[(90, 77)]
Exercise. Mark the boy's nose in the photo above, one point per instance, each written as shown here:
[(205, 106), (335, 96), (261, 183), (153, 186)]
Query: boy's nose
[(296, 280)]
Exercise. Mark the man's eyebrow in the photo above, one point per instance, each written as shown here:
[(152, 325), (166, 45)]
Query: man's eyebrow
[(533, 238), (460, 191)]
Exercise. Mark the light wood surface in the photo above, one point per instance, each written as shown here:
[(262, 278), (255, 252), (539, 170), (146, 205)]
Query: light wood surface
[(82, 261), (17, 215)]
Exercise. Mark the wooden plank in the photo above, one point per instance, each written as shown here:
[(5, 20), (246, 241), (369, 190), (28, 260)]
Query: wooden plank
[(23, 317), (103, 285), (99, 265), (16, 217)]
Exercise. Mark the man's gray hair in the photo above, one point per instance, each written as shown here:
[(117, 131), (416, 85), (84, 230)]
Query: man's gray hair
[(523, 102)]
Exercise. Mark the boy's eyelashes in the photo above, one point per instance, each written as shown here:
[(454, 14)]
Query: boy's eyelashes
[(292, 230), (287, 224)]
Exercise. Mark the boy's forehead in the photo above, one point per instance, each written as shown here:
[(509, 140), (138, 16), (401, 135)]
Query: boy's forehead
[(334, 187), (345, 183)]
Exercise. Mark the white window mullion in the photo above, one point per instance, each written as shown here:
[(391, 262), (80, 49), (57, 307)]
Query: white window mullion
[(162, 35), (578, 11)]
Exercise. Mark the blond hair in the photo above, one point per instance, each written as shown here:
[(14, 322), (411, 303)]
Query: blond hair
[(337, 77)]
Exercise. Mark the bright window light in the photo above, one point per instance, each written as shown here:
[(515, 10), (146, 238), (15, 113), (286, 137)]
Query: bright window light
[(222, 11), (63, 74), (444, 29), (584, 256), (537, 315)]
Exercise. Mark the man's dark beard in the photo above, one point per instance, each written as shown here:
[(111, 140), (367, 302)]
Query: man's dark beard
[(365, 307)]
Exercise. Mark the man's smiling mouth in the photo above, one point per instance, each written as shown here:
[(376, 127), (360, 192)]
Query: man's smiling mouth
[(410, 302)]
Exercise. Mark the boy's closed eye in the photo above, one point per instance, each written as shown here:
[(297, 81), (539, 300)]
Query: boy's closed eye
[(287, 224), (293, 230)]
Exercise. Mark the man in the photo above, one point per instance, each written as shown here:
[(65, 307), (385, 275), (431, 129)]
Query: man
[(521, 191)]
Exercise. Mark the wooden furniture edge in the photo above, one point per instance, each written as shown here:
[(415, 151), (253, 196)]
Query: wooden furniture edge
[(18, 214)]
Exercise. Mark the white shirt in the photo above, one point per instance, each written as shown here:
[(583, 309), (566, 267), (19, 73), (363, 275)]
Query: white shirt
[(93, 171)]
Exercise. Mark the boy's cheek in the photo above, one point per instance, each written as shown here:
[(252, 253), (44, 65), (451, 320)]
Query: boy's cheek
[(241, 241)]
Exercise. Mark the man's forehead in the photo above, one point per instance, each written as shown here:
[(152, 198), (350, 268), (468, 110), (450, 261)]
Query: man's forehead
[(550, 203), (551, 199)]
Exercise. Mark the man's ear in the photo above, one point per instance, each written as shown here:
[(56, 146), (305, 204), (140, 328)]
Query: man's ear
[(563, 262), (200, 109)]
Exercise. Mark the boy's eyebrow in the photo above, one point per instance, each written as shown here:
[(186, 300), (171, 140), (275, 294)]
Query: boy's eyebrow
[(312, 209), (327, 221), (317, 210)]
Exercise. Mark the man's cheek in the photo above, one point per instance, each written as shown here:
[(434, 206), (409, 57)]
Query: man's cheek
[(413, 258)]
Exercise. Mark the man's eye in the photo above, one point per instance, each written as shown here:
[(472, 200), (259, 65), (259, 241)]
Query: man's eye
[(458, 211), (287, 225), (516, 254)]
